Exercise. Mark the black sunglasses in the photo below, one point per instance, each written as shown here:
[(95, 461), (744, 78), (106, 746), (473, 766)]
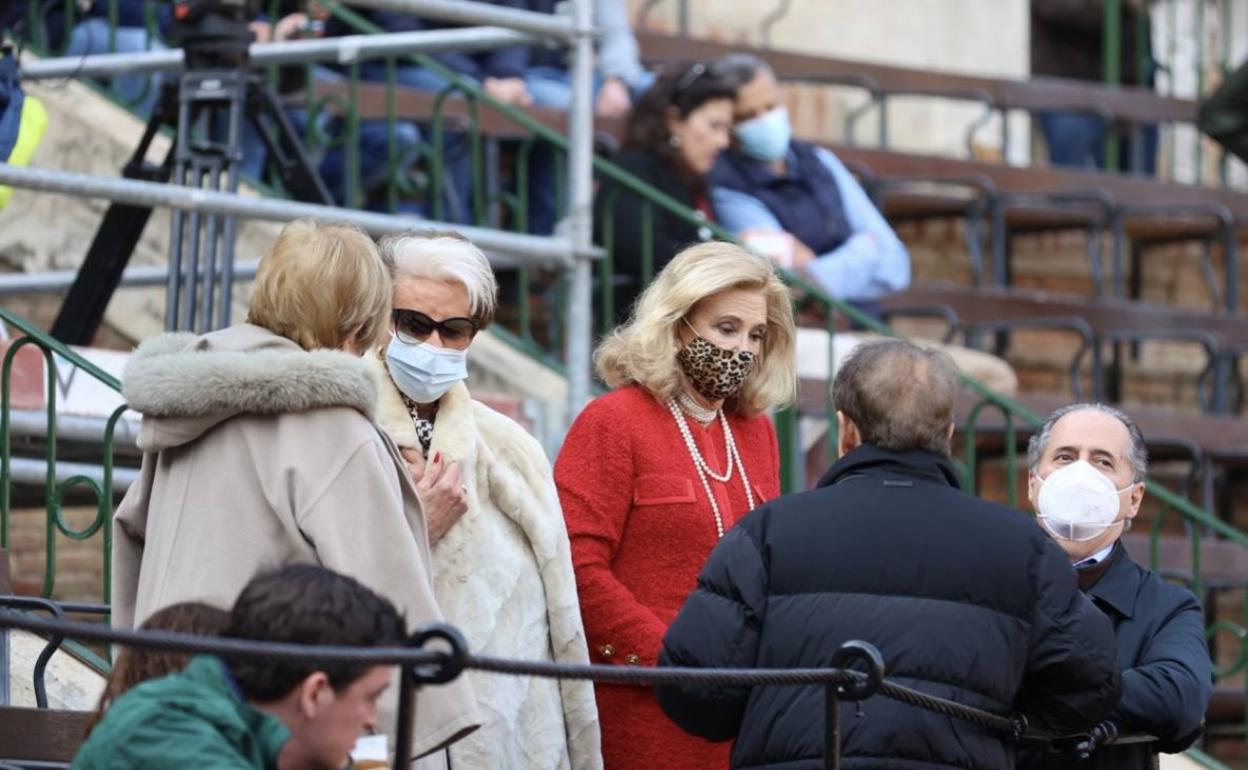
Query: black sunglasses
[(413, 326)]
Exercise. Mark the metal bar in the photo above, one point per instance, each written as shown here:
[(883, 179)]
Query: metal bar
[(23, 470), (1199, 144), (60, 280), (534, 249), (556, 26), (1111, 68), (832, 729), (34, 424), (791, 458), (334, 50), (581, 206)]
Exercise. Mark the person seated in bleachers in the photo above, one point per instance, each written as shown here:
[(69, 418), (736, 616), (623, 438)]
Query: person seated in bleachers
[(499, 72), (259, 448), (674, 134), (92, 32), (133, 666), (1066, 42), (619, 80), (328, 150), (619, 77), (798, 204), (241, 712), (1087, 464)]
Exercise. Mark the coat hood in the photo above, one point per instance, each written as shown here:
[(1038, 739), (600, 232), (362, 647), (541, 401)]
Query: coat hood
[(185, 384)]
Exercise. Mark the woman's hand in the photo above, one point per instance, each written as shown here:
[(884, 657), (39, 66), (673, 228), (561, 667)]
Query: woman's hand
[(442, 492)]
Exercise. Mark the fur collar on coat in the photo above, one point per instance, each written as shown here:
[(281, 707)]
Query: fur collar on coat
[(503, 575), (243, 369)]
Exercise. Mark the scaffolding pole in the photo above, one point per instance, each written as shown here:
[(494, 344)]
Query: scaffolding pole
[(527, 249), (554, 26), (580, 203), (335, 50)]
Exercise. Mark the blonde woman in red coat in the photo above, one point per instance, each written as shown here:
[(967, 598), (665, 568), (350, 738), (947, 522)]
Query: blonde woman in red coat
[(652, 474)]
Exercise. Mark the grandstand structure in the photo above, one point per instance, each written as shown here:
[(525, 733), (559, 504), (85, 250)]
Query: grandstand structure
[(1095, 285)]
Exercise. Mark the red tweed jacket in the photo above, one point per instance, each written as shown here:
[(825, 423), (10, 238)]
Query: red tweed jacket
[(641, 528)]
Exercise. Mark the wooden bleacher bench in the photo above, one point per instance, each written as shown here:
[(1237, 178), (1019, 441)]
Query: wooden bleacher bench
[(1222, 336), (1125, 105), (1011, 200), (370, 101), (1137, 212), (41, 735)]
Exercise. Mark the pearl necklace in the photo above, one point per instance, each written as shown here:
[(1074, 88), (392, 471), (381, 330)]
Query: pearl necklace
[(704, 470), (696, 410)]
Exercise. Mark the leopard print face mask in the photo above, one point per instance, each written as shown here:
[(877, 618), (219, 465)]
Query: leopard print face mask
[(715, 372)]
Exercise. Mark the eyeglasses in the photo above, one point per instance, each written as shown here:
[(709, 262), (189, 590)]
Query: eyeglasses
[(690, 77), (414, 327)]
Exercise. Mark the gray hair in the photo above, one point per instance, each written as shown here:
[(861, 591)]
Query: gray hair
[(737, 69), (1137, 453), (899, 395), (444, 255)]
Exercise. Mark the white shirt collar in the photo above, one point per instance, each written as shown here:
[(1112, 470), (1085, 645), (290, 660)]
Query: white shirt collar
[(1097, 557)]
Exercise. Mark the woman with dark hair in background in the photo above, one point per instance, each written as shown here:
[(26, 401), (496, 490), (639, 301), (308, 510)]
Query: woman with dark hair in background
[(135, 665), (674, 134)]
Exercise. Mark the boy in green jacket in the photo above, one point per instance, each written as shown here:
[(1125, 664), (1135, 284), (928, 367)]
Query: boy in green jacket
[(233, 714)]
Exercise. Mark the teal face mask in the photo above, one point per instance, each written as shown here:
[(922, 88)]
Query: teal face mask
[(765, 137)]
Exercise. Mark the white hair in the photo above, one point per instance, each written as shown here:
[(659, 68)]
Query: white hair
[(444, 255)]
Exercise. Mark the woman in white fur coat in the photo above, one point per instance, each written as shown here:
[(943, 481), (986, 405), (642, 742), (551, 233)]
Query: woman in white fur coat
[(501, 560)]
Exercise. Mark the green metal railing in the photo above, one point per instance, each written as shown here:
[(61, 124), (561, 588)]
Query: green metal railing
[(55, 492)]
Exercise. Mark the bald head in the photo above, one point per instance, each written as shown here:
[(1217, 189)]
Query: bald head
[(899, 396)]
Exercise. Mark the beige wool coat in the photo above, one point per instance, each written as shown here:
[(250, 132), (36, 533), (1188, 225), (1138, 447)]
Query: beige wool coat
[(503, 575), (259, 454)]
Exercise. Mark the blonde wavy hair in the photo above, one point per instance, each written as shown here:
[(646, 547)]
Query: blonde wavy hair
[(321, 284), (643, 350)]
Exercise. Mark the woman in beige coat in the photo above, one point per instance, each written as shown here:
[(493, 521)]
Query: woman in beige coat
[(260, 450), (501, 561)]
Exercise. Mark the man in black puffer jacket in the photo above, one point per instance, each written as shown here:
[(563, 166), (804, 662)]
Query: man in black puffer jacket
[(965, 599)]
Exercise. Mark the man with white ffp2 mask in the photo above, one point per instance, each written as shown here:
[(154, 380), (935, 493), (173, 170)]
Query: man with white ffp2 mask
[(1087, 468)]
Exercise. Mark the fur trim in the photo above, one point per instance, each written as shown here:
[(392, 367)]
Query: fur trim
[(484, 580), (185, 375)]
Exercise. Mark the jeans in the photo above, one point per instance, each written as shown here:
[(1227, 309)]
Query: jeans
[(1077, 140), (456, 150), (331, 161), (551, 87), (91, 36)]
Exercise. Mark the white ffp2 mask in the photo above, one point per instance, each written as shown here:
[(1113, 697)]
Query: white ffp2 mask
[(1077, 502)]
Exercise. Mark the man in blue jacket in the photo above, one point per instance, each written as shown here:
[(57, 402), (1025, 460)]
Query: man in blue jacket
[(965, 599), (797, 202), (1087, 481)]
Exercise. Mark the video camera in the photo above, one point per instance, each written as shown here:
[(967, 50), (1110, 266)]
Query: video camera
[(213, 33)]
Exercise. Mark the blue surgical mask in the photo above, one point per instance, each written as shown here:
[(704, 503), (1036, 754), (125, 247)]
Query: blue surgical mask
[(765, 137), (425, 372)]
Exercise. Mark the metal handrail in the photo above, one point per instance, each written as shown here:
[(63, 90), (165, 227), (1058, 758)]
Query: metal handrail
[(335, 50), (534, 249)]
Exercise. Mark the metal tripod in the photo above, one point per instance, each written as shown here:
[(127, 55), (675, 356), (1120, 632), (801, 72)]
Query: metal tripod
[(206, 109)]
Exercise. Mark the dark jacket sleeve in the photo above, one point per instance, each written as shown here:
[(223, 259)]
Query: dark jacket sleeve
[(1167, 692), (626, 211), (717, 628), (1224, 115), (1071, 682), (508, 62)]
